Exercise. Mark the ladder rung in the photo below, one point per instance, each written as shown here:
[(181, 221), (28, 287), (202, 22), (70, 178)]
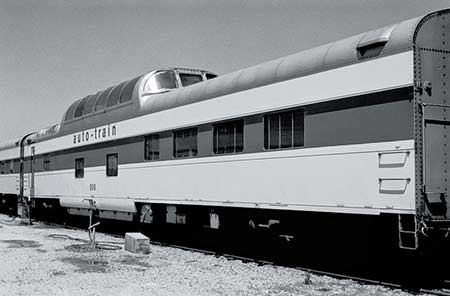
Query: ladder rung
[(407, 238), (408, 248), (407, 231)]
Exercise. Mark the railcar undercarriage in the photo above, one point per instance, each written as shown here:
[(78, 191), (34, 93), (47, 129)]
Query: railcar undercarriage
[(363, 246)]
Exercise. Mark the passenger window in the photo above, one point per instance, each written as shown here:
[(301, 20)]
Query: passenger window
[(112, 163), (160, 82), (46, 162), (127, 91), (151, 147), (16, 166), (114, 95), (11, 167), (185, 143), (101, 101), (210, 76), (284, 130), (228, 137), (2, 168), (79, 168), (189, 79), (80, 107)]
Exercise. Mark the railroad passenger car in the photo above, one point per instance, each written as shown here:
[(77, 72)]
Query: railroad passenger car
[(348, 139)]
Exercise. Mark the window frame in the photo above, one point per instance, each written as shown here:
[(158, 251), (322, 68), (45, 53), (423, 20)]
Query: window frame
[(155, 153), (79, 171), (6, 167), (112, 172), (217, 137), (268, 146), (151, 81), (184, 76), (186, 142), (46, 162), (209, 76)]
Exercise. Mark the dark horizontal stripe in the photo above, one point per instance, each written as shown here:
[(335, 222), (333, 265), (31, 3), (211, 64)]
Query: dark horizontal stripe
[(375, 117), (389, 96), (437, 122)]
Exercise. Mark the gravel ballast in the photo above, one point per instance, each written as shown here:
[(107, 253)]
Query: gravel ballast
[(41, 260)]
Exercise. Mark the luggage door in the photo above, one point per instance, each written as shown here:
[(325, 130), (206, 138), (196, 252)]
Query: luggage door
[(432, 116)]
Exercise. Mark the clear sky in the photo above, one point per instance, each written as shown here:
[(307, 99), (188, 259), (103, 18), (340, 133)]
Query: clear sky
[(53, 52)]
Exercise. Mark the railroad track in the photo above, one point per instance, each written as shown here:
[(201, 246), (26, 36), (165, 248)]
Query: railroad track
[(443, 290), (264, 262)]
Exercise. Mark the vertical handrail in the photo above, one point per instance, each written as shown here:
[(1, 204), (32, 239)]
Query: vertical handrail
[(22, 201), (32, 168)]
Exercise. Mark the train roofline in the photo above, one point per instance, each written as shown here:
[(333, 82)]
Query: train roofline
[(9, 144), (326, 57), (390, 39)]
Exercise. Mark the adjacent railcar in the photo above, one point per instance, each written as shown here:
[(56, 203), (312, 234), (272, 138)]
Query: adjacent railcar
[(349, 135)]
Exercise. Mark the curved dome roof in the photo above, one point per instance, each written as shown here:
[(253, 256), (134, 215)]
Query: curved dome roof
[(115, 95)]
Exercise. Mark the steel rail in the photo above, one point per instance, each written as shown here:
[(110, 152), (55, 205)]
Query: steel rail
[(442, 292), (253, 260), (435, 292)]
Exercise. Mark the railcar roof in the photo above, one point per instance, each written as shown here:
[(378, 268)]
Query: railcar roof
[(373, 44), (9, 144), (382, 42), (394, 38)]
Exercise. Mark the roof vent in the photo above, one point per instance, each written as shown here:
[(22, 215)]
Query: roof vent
[(372, 43)]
